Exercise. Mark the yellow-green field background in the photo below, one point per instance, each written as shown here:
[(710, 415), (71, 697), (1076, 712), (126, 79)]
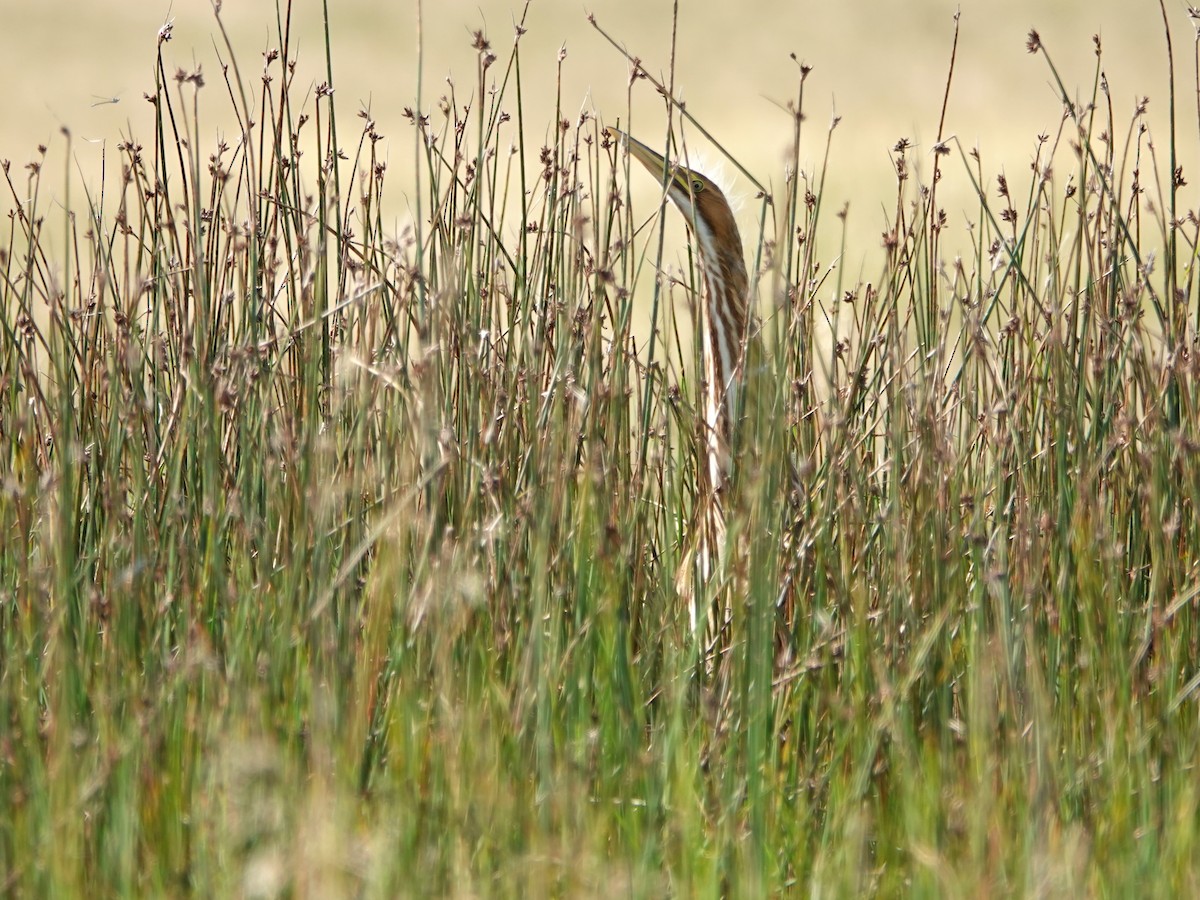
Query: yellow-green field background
[(881, 65)]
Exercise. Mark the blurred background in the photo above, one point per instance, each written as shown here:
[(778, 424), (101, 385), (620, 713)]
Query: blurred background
[(880, 65)]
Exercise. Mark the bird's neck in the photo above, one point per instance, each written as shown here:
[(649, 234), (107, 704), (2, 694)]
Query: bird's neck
[(724, 335)]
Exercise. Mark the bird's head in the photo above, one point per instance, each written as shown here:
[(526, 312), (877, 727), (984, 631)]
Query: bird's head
[(702, 203)]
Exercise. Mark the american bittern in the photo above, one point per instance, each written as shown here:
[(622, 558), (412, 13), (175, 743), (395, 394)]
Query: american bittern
[(724, 322)]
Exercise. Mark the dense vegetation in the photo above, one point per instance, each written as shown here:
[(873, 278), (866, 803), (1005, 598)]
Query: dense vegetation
[(342, 562)]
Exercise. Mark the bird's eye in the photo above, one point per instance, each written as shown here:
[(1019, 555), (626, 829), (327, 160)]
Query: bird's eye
[(697, 185)]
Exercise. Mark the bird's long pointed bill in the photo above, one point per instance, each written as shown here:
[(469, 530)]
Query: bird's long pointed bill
[(643, 154)]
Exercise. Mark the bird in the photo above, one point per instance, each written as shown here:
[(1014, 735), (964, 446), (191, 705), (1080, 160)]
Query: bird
[(725, 324)]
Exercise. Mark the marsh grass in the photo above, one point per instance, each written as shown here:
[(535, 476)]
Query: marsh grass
[(340, 562)]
